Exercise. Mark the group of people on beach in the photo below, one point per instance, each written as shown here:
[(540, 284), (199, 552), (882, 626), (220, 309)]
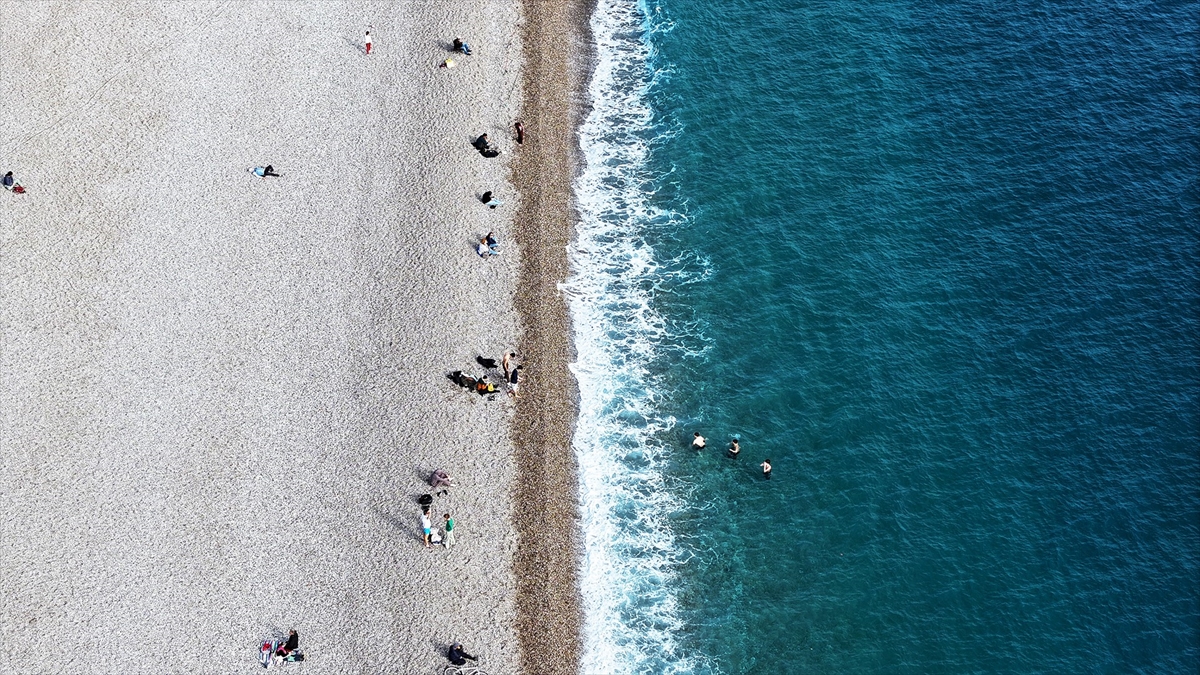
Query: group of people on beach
[(732, 452)]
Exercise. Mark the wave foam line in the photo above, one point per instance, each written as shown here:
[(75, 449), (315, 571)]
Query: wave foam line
[(627, 581)]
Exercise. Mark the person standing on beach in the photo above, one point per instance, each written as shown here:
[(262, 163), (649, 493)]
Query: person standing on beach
[(766, 467), (514, 381), (698, 441), (427, 526), (448, 541), (520, 132), (367, 41), (509, 359)]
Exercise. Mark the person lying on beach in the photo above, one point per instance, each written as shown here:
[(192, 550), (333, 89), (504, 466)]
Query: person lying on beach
[(264, 171), (458, 656), (440, 478), (460, 46)]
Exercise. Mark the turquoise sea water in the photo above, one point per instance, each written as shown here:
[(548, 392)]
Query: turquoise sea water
[(939, 263)]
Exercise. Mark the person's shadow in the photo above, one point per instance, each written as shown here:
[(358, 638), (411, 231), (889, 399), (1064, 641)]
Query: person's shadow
[(358, 46)]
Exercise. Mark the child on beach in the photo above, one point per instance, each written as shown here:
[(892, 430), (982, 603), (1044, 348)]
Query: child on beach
[(367, 42)]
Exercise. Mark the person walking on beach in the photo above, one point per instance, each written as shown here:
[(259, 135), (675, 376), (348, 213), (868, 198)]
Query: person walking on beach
[(520, 132), (427, 526), (448, 540), (367, 41), (734, 449), (766, 467), (698, 441)]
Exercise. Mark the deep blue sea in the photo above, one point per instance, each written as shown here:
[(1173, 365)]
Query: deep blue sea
[(939, 263)]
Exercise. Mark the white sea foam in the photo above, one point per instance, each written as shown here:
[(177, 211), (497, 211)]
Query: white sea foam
[(631, 618)]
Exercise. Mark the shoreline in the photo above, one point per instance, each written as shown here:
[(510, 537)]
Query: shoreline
[(549, 607)]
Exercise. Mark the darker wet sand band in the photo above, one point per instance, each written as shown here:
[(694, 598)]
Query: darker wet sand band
[(549, 612)]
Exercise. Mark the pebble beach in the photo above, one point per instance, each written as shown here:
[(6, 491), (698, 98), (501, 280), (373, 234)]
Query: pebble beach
[(223, 394)]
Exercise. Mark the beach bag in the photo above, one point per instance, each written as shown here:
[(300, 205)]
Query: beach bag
[(425, 500)]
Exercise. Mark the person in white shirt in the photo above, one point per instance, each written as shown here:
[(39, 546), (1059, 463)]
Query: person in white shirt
[(427, 526)]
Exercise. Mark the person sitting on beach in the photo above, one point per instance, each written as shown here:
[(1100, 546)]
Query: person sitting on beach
[(289, 647), (697, 441), (461, 47), (483, 388), (457, 655), (734, 449), (487, 246), (12, 185), (481, 143), (489, 200), (440, 478)]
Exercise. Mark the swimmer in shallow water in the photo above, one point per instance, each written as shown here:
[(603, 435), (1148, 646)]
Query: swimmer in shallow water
[(697, 441), (734, 449)]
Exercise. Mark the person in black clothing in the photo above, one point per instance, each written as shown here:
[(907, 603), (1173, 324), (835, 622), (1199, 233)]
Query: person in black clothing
[(481, 143), (290, 649), (457, 656), (461, 47)]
